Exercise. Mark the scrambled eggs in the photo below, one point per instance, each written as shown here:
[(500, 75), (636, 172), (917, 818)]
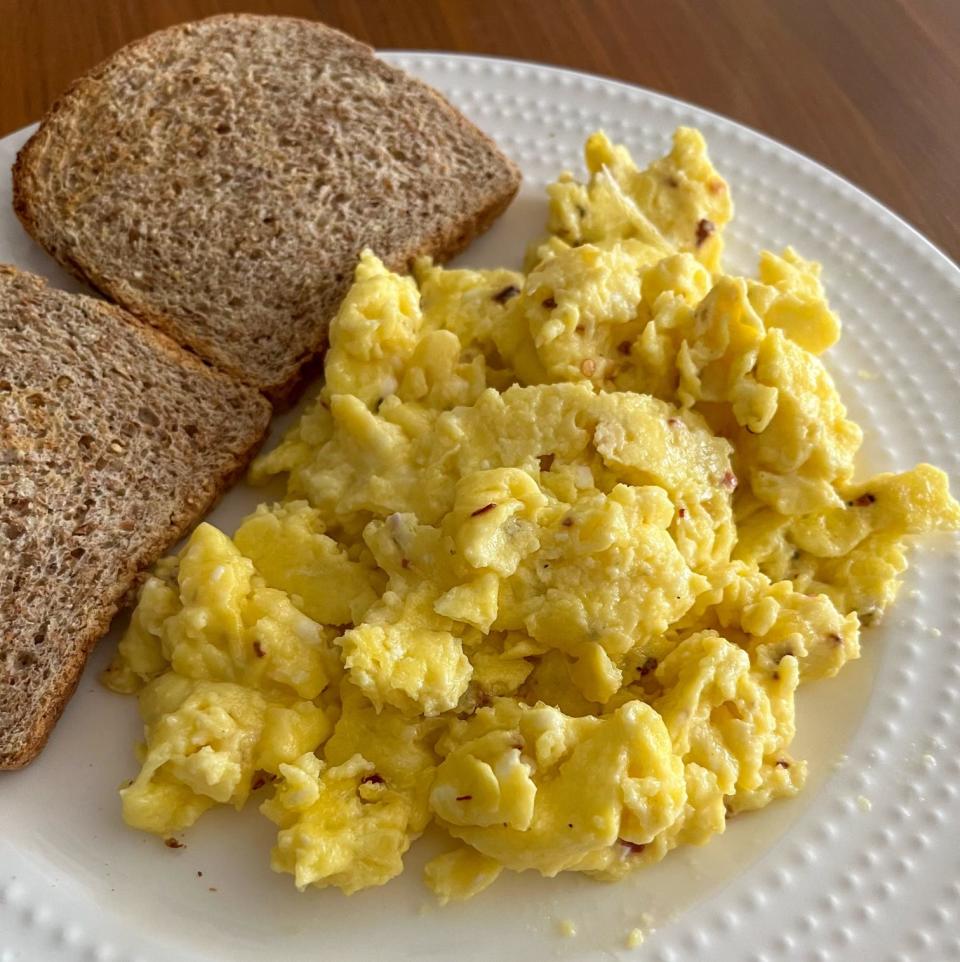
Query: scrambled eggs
[(556, 551)]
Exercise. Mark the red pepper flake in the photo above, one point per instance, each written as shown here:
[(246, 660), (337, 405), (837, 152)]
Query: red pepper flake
[(567, 522), (588, 367), (634, 847), (373, 779), (705, 228), (672, 181), (546, 461), (464, 798), (258, 649), (729, 481), (579, 328), (681, 512), (673, 422), (404, 562), (173, 843), (550, 303), (715, 185), (776, 676), (864, 500), (649, 665), (483, 510), (504, 294), (782, 763), (569, 824), (624, 347), (834, 639), (260, 779)]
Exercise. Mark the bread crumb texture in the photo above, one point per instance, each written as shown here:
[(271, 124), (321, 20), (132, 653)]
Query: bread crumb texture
[(220, 178), (113, 440)]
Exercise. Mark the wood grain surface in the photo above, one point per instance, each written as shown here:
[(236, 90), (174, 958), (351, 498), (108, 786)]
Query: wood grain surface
[(870, 88)]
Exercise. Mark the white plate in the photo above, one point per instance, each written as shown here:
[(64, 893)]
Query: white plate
[(865, 864)]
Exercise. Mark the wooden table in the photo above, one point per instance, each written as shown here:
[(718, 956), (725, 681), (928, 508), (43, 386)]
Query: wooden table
[(869, 87)]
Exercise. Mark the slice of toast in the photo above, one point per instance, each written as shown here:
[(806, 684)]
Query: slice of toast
[(219, 179), (113, 442)]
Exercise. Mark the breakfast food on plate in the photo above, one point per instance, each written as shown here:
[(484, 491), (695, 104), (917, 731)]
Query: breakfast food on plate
[(556, 550), (113, 442), (219, 179)]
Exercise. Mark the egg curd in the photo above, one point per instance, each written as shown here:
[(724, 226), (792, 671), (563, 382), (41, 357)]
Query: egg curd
[(557, 549)]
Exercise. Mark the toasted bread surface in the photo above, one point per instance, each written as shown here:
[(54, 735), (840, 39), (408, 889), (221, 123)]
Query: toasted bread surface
[(113, 442), (219, 179)]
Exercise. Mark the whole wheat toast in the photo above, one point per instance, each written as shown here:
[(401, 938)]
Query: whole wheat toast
[(113, 442), (219, 178)]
